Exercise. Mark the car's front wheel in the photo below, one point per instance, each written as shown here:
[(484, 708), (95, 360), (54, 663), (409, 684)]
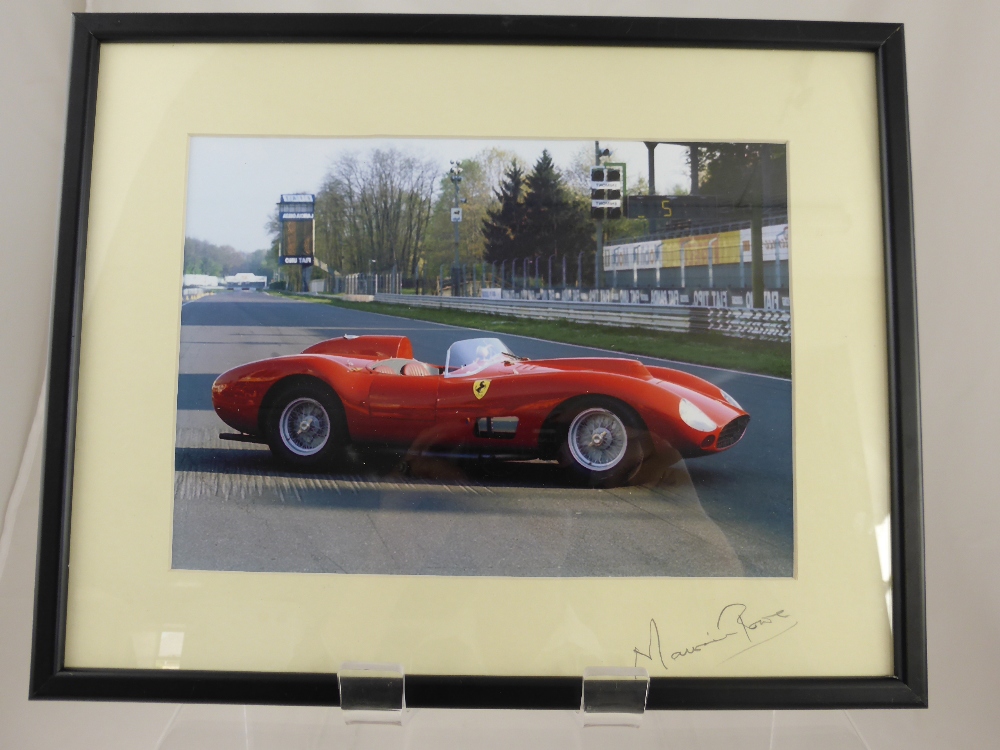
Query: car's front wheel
[(601, 443), (306, 425)]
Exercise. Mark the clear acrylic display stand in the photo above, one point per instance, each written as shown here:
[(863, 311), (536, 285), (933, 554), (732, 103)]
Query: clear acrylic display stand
[(372, 693), (614, 696)]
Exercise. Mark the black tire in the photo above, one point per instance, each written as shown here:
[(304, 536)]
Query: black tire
[(600, 442), (305, 425)]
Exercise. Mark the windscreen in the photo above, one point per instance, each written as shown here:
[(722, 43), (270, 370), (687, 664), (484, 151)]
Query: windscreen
[(472, 355)]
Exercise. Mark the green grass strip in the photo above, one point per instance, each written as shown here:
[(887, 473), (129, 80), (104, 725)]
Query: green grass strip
[(713, 349)]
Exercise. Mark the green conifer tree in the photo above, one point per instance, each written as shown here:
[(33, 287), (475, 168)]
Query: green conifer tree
[(555, 220), (503, 227)]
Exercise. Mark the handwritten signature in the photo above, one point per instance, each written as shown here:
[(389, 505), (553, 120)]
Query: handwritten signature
[(730, 624)]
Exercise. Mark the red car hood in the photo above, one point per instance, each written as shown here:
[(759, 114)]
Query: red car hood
[(628, 367)]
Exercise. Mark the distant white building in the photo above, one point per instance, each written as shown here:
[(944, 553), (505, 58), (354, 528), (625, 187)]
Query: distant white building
[(202, 280), (246, 281)]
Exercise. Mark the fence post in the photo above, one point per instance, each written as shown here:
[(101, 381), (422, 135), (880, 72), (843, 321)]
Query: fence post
[(711, 278), (683, 279)]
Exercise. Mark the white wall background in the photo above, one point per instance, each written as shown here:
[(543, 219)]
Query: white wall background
[(953, 69)]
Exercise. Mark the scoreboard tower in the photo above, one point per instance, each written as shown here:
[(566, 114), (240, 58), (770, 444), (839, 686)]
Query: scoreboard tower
[(296, 212)]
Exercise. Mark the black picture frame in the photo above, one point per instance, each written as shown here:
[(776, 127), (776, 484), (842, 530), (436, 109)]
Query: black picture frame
[(907, 687)]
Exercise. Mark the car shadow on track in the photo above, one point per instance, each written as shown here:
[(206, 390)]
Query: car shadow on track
[(380, 467), (377, 468)]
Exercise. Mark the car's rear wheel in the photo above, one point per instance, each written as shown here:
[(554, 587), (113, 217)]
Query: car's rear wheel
[(601, 442), (306, 427)]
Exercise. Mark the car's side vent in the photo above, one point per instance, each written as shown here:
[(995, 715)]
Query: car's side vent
[(732, 432), (503, 428)]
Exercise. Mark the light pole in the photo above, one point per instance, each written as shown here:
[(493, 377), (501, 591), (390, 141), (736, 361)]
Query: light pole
[(579, 270), (695, 160), (550, 269), (599, 252), (650, 147), (455, 175)]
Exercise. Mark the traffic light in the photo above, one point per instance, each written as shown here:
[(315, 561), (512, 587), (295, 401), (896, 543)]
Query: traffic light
[(606, 186)]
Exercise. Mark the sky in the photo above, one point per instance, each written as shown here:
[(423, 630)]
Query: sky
[(234, 183)]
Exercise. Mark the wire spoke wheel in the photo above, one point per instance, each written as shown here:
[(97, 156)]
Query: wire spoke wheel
[(304, 426), (597, 439)]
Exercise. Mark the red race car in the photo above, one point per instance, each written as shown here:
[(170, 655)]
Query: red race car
[(601, 418)]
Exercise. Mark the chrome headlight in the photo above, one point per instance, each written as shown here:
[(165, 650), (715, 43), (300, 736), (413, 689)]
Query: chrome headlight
[(730, 400), (695, 418)]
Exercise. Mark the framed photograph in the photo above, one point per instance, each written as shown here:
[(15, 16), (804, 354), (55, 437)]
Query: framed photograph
[(502, 350)]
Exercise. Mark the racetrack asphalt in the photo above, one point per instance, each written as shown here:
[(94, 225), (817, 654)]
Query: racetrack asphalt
[(725, 515)]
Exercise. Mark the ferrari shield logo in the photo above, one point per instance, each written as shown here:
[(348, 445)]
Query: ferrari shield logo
[(480, 387)]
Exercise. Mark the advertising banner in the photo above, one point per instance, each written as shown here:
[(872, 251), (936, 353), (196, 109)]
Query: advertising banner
[(633, 255), (724, 247), (775, 239)]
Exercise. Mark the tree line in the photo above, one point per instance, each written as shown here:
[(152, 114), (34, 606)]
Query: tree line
[(743, 172), (388, 210), (202, 257)]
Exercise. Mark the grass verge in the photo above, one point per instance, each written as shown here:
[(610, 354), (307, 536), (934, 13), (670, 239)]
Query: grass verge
[(715, 350)]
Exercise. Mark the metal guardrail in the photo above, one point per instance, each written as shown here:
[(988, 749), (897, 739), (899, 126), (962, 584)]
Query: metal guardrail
[(764, 325)]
